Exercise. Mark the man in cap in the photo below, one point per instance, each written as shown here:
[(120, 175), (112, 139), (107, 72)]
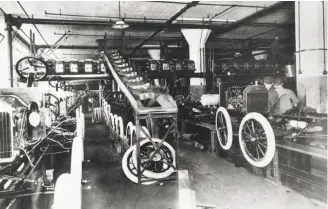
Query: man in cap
[(287, 98), (273, 95)]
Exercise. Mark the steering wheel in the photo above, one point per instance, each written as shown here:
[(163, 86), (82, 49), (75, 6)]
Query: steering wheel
[(58, 82), (32, 65), (53, 104)]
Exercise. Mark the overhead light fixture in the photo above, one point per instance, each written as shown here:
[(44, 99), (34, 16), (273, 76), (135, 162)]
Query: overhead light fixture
[(120, 24)]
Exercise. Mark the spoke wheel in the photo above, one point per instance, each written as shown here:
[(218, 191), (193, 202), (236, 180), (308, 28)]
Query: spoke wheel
[(128, 132), (133, 136), (120, 127), (115, 123), (257, 140), (130, 170), (28, 65), (111, 120), (159, 167), (224, 128)]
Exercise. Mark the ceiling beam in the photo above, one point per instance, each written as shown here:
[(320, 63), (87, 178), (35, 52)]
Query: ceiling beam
[(245, 20), (17, 21), (210, 4), (168, 22), (39, 21), (69, 47), (94, 47)]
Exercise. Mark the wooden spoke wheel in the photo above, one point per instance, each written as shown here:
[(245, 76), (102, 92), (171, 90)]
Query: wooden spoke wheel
[(115, 123), (120, 127), (133, 136), (257, 140), (128, 133), (130, 170), (224, 128), (111, 120), (160, 166)]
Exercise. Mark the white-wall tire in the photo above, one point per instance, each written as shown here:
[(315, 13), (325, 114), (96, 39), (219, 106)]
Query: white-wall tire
[(115, 123), (142, 135), (168, 148), (120, 127), (133, 136), (130, 170), (111, 120), (259, 142), (108, 111), (128, 132), (223, 131)]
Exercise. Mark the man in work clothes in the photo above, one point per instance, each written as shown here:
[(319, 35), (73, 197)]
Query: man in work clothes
[(85, 102), (287, 98), (273, 94)]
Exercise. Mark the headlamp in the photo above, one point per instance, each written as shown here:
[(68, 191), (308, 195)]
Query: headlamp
[(34, 119)]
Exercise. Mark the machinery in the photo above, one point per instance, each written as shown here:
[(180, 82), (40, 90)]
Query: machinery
[(139, 114), (38, 129), (245, 114)]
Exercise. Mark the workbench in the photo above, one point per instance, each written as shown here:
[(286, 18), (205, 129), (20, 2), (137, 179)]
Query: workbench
[(210, 127)]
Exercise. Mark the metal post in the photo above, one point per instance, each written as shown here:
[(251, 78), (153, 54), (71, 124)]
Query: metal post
[(176, 136), (100, 98), (31, 42), (10, 53), (138, 148), (123, 40), (33, 45)]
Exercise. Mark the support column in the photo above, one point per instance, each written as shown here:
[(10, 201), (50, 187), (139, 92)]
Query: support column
[(311, 57), (155, 54), (196, 39), (10, 53)]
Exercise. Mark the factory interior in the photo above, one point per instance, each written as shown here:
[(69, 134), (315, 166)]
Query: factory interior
[(163, 104)]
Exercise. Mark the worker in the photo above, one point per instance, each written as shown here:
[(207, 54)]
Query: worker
[(85, 102), (273, 94), (287, 98), (275, 47)]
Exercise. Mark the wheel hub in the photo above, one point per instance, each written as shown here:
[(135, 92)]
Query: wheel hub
[(253, 139), (157, 157)]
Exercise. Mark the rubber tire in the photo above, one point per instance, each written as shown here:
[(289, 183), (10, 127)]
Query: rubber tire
[(121, 129), (271, 143), (112, 121), (229, 128), (128, 132), (142, 135), (132, 130), (115, 122), (150, 174), (132, 176)]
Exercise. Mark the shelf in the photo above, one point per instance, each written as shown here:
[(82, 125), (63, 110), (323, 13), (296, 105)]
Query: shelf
[(316, 152), (180, 74), (252, 74), (81, 77)]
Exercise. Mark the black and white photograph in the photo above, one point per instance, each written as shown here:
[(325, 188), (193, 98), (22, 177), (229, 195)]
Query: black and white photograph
[(163, 104)]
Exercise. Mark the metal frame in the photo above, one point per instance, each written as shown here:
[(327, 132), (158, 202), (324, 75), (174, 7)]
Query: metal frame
[(174, 126), (141, 113)]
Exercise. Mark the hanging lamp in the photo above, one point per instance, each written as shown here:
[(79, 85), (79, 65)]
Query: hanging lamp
[(120, 24)]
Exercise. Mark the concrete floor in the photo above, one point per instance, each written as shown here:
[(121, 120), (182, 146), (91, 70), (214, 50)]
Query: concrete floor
[(215, 180)]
